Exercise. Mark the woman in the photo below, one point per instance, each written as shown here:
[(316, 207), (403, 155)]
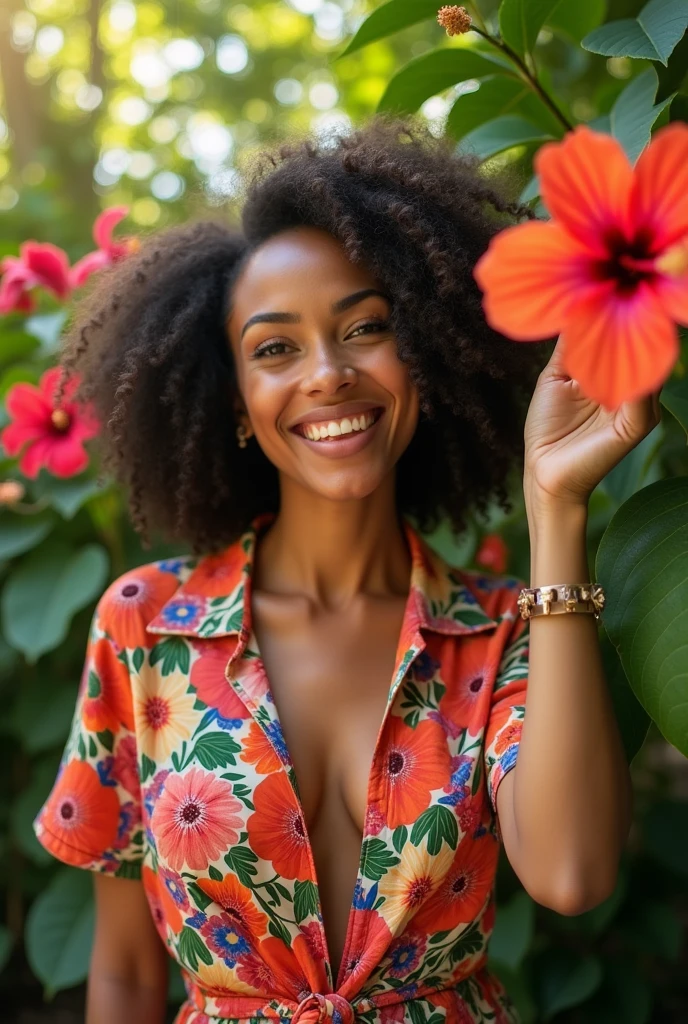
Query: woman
[(295, 750)]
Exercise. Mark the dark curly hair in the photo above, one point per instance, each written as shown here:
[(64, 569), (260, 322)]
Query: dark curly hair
[(150, 344)]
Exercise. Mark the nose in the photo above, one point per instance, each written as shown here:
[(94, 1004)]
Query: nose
[(328, 371)]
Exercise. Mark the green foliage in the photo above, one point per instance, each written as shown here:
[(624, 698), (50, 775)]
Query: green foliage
[(642, 562), (502, 98), (653, 34)]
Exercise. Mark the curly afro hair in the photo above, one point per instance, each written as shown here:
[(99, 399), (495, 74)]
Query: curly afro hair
[(150, 345)]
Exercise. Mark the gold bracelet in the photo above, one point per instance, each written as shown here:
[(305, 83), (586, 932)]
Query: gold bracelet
[(561, 597)]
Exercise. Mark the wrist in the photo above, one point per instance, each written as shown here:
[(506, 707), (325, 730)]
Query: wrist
[(543, 510)]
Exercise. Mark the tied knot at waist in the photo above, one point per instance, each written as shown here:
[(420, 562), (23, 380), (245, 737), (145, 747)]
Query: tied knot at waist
[(315, 1008)]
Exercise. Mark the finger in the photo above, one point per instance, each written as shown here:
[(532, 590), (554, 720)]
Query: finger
[(555, 366)]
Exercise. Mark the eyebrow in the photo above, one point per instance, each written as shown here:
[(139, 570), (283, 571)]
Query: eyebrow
[(340, 306)]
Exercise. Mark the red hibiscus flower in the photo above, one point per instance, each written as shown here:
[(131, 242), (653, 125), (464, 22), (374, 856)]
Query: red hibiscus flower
[(108, 251), (53, 436), (463, 891), (493, 553), (81, 816), (39, 264), (609, 271), (276, 829), (416, 762), (108, 698)]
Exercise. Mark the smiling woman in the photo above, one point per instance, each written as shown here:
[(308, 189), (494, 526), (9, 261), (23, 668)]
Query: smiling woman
[(302, 726)]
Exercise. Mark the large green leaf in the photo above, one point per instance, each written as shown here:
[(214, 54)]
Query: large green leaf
[(21, 533), (635, 111), (499, 134), (631, 717), (521, 20), (624, 997), (642, 562), (565, 978), (67, 495), (497, 95), (433, 72), (388, 19), (577, 19), (513, 930), (653, 34), (674, 397), (47, 327), (45, 590), (59, 930), (629, 475), (26, 806)]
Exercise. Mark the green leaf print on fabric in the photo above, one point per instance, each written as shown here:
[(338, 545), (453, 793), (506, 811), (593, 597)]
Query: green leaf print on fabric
[(305, 900), (173, 653), (377, 860), (438, 823)]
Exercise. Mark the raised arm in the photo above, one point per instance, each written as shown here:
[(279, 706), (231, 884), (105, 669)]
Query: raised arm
[(127, 979)]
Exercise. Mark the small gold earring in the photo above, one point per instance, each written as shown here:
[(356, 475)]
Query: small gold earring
[(241, 435)]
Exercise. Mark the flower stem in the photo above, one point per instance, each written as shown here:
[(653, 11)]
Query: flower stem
[(527, 75)]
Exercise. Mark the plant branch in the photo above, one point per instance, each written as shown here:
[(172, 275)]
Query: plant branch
[(528, 76)]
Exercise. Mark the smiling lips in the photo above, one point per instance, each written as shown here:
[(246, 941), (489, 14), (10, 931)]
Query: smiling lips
[(334, 430)]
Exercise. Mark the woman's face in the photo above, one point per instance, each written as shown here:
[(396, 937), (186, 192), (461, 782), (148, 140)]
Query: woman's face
[(314, 352)]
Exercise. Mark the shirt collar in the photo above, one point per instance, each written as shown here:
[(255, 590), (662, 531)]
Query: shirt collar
[(214, 600)]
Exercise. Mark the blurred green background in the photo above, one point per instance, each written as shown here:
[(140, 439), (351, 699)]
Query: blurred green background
[(161, 107)]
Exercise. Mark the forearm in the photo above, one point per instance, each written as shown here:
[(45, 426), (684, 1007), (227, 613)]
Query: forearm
[(113, 1000), (571, 791)]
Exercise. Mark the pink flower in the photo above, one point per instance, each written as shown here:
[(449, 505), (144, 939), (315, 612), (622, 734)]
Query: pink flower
[(39, 264), (196, 819), (108, 250), (125, 766), (53, 435), (493, 553)]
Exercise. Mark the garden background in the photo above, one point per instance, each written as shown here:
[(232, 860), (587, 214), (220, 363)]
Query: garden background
[(158, 107)]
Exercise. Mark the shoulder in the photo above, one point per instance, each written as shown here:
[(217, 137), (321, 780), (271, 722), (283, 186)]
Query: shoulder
[(136, 596)]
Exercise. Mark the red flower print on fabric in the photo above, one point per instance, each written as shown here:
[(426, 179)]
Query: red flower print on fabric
[(416, 762), (276, 829), (107, 703), (196, 819), (81, 815), (464, 889)]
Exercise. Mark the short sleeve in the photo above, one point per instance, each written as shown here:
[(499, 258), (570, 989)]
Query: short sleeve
[(508, 706), (92, 817)]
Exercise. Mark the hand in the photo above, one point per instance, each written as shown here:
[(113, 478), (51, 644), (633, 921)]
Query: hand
[(572, 442)]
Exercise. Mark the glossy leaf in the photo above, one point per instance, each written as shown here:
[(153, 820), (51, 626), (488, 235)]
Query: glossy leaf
[(575, 20), (521, 20), (498, 95), (59, 931), (429, 74), (390, 18), (674, 397), (653, 34), (500, 134), (634, 113), (623, 997), (631, 717), (22, 533), (45, 590), (513, 930), (635, 469), (67, 495), (565, 978), (642, 562)]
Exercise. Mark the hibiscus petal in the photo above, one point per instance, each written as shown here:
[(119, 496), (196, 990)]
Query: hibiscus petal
[(530, 275), (586, 183), (15, 436), (50, 264), (48, 386), (620, 349), (65, 456), (660, 194), (27, 405), (105, 224), (87, 265), (34, 458), (673, 294)]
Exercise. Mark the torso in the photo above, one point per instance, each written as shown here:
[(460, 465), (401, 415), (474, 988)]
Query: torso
[(330, 675)]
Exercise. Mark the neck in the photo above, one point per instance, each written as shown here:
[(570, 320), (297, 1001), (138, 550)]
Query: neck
[(332, 551)]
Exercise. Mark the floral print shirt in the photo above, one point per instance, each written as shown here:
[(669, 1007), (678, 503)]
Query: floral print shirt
[(176, 772)]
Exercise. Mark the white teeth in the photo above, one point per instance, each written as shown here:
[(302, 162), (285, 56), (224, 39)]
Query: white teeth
[(337, 427)]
